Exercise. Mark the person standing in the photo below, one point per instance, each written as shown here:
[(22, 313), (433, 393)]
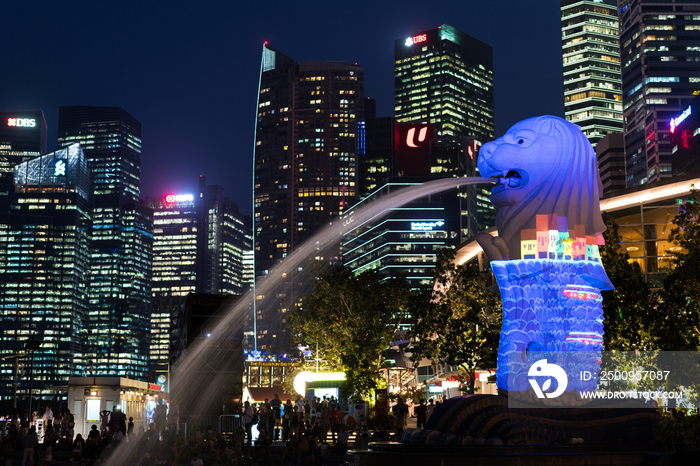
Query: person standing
[(276, 405), (104, 421), (421, 413), (174, 415), (400, 412), (248, 422), (263, 419), (430, 408), (335, 421), (30, 440), (160, 415), (48, 414)]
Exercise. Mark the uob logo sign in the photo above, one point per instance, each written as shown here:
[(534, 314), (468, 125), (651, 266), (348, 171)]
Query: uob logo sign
[(543, 369), (410, 142)]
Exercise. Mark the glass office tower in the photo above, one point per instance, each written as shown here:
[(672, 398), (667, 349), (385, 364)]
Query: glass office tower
[(122, 237), (591, 57), (44, 262), (305, 163), (444, 77), (660, 58)]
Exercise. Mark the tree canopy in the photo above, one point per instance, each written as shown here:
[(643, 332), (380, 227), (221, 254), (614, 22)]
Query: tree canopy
[(353, 320), (630, 310), (461, 326), (680, 297)]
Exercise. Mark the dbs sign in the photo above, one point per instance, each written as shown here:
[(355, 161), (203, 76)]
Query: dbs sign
[(21, 122), (414, 149)]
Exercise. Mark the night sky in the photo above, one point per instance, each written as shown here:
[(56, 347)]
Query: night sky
[(188, 70)]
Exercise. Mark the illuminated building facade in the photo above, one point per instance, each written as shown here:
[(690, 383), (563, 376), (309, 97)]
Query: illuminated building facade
[(407, 240), (122, 238), (610, 153), (22, 137), (660, 59), (377, 150), (444, 77), (685, 140), (305, 162), (591, 57), (44, 259), (189, 258)]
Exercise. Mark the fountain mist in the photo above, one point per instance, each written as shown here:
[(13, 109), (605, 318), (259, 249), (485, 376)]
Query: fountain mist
[(197, 393)]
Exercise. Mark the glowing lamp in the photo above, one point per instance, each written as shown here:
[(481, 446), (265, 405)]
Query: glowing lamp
[(307, 376)]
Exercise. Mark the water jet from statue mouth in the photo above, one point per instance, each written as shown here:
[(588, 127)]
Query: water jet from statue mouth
[(508, 179)]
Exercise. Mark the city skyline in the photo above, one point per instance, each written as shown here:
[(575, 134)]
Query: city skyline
[(209, 129)]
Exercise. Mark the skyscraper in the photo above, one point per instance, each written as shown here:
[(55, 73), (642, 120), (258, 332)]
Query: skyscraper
[(305, 159), (660, 58), (591, 56), (377, 149), (201, 244), (444, 77), (610, 152), (122, 238), (685, 140), (44, 259)]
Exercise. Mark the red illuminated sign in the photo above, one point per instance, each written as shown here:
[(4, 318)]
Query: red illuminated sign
[(153, 386), (413, 158), (171, 198), (416, 39), (421, 136)]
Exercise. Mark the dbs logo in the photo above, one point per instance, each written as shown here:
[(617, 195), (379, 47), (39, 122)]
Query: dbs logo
[(411, 134)]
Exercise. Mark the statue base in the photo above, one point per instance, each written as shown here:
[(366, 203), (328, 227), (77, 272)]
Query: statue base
[(487, 420)]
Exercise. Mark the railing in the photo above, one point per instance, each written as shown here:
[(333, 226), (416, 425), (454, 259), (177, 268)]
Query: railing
[(228, 423)]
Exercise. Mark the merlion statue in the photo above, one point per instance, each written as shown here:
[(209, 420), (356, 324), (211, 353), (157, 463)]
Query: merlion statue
[(545, 257)]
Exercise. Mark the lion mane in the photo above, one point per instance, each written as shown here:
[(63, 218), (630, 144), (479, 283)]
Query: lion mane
[(568, 186)]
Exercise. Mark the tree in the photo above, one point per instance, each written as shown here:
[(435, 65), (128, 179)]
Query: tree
[(631, 317), (353, 320), (680, 296), (461, 326)]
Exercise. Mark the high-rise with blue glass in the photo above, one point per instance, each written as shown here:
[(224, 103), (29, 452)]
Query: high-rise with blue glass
[(44, 262), (660, 59), (122, 240)]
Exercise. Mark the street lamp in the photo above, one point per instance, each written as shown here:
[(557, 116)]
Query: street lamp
[(15, 378), (33, 346)]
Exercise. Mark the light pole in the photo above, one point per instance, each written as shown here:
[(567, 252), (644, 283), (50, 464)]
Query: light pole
[(33, 346), (15, 379)]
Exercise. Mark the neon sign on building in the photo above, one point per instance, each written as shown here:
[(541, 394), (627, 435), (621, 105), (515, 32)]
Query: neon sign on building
[(416, 39), (425, 226), (679, 119), (59, 168), (171, 198), (22, 122)]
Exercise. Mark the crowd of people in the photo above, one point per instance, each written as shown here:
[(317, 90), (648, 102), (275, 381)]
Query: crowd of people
[(312, 430)]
